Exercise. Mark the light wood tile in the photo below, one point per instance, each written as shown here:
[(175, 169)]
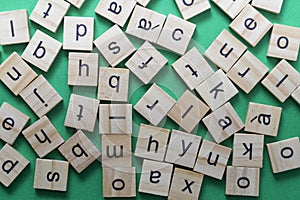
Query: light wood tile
[(231, 8), (189, 9), (296, 95), (76, 3), (143, 2), (271, 6)]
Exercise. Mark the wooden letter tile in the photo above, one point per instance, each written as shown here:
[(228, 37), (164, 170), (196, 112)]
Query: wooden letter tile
[(40, 96), (79, 151), (82, 113), (231, 8), (225, 50), (152, 142), (143, 2), (155, 104), (271, 6), (296, 95), (76, 3), (263, 119), (12, 123), (242, 181), (41, 50), (51, 175), (189, 9), (188, 111), (12, 164), (212, 159), (114, 45), (155, 178), (183, 149), (49, 13), (15, 73)]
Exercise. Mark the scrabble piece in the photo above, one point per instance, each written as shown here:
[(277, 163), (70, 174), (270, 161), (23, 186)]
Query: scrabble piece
[(225, 50), (296, 95), (284, 155), (117, 11), (263, 119), (146, 62), (49, 13), (83, 69), (14, 27), (247, 72), (271, 6), (114, 45), (40, 96), (41, 50), (143, 2), (183, 149), (176, 34), (82, 113), (155, 178), (119, 182), (212, 159), (152, 142), (43, 137), (284, 42), (115, 119), (231, 8), (78, 33), (185, 184), (79, 151), (223, 122), (188, 111), (248, 150), (113, 84), (251, 25), (155, 104), (282, 80), (76, 3), (12, 123), (242, 181), (217, 90), (15, 73), (192, 68), (145, 24), (12, 164), (51, 175), (189, 9), (116, 150)]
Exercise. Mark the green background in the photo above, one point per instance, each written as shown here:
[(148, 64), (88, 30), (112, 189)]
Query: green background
[(88, 184)]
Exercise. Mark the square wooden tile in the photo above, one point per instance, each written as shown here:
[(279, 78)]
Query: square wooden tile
[(12, 123), (155, 178), (263, 119), (78, 33), (79, 151), (117, 11), (82, 113), (143, 2), (231, 8), (14, 27), (42, 137), (248, 150), (155, 104), (12, 162), (188, 111), (76, 3), (223, 122), (296, 95), (251, 25), (189, 9), (282, 80), (183, 149), (16, 74), (284, 42), (119, 182), (49, 13), (113, 84), (284, 155), (242, 181), (114, 45), (192, 68), (146, 62), (225, 50), (51, 175), (271, 6), (212, 159), (217, 90), (247, 72), (152, 142), (41, 50), (83, 69), (40, 96)]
